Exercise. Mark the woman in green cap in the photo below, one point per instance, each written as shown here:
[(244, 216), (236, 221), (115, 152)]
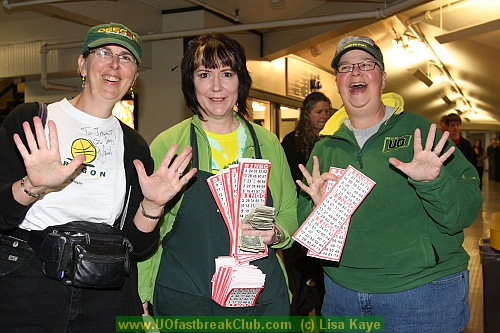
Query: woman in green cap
[(91, 168)]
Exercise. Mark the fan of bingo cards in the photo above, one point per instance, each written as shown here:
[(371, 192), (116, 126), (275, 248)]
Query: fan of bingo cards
[(324, 231), (240, 192)]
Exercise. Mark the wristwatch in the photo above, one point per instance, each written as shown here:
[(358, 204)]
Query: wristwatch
[(278, 234)]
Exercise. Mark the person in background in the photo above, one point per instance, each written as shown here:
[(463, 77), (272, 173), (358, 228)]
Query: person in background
[(314, 113), (490, 150), (496, 160), (442, 124), (479, 156), (305, 275), (46, 181), (453, 123), (403, 258), (177, 278)]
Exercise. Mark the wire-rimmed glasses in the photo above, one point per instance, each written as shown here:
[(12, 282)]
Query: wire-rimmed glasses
[(106, 55), (363, 66)]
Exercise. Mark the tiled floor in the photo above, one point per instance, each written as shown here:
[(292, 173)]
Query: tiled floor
[(480, 229)]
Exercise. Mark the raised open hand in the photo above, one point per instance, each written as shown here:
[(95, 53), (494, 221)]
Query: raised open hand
[(168, 178), (42, 160), (427, 162), (315, 182)]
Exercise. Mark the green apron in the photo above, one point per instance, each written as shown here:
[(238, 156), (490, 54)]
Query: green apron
[(199, 235)]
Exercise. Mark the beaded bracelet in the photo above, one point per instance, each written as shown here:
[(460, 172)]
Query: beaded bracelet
[(33, 195), (143, 212)]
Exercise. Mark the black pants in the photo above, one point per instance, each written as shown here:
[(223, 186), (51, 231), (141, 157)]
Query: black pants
[(305, 279), (31, 302)]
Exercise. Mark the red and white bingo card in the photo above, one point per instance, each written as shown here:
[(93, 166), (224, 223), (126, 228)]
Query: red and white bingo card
[(324, 232)]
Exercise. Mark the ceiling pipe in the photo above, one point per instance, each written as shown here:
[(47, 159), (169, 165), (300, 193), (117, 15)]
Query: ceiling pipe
[(43, 80), (235, 18), (9, 4), (377, 13), (429, 15)]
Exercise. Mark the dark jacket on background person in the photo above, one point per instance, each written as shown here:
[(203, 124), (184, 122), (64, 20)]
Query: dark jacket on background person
[(305, 274), (294, 157), (466, 148)]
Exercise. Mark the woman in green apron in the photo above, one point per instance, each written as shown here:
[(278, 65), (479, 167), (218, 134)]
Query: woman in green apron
[(177, 278)]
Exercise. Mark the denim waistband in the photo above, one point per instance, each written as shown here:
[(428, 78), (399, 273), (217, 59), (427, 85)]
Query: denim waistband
[(14, 242)]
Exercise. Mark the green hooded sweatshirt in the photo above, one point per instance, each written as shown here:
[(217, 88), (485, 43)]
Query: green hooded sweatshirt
[(405, 233)]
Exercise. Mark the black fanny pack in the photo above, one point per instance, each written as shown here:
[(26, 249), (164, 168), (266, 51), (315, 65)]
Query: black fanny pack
[(83, 254)]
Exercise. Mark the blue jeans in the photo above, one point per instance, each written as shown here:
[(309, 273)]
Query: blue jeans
[(437, 307)]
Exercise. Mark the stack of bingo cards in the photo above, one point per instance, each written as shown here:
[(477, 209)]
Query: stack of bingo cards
[(236, 285), (324, 231), (240, 192)]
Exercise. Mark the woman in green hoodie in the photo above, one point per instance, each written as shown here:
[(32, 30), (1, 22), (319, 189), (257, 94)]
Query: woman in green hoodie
[(403, 257)]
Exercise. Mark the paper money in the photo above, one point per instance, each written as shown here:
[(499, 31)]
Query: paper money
[(260, 217)]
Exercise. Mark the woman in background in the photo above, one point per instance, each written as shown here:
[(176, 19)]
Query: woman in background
[(305, 275), (314, 113)]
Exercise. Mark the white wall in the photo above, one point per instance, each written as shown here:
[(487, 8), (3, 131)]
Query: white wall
[(161, 102)]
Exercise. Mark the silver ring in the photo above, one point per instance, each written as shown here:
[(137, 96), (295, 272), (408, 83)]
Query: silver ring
[(180, 173), (309, 183), (435, 152)]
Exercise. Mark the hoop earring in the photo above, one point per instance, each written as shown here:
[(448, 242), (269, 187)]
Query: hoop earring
[(83, 82), (132, 92)]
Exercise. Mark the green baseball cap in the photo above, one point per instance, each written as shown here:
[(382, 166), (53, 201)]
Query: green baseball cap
[(357, 43), (114, 33)]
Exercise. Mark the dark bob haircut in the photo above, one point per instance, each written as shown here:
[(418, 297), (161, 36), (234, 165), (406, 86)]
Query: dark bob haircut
[(215, 50)]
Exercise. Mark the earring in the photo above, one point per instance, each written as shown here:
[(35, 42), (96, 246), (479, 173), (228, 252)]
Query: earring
[(132, 92), (83, 82)]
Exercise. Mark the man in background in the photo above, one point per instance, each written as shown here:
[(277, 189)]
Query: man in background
[(453, 122)]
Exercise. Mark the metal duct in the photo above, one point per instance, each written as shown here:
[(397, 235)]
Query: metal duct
[(378, 14)]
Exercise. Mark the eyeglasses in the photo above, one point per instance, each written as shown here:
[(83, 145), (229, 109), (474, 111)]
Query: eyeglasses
[(107, 55), (363, 66)]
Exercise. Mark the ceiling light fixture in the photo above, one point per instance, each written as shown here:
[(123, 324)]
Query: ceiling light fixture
[(315, 50), (415, 30), (421, 76), (403, 40), (277, 4), (447, 100)]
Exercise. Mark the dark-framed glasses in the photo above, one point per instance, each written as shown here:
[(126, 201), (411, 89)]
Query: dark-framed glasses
[(363, 66), (106, 55)]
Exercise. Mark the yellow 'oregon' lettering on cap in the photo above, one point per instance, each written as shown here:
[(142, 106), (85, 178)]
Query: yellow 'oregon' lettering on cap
[(118, 31), (355, 44)]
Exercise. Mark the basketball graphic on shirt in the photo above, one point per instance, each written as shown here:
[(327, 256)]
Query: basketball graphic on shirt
[(85, 147)]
